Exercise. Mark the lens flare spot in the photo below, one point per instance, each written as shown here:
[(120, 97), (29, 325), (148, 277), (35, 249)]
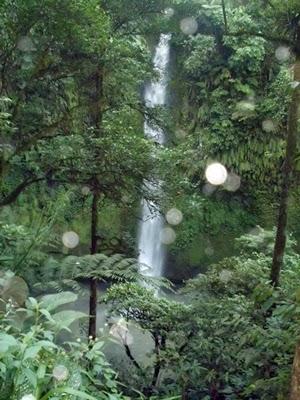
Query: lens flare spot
[(85, 190), (60, 373), (169, 12), (209, 251), (216, 174), (189, 26), (282, 53), (25, 44), (268, 125), (167, 236), (208, 189), (232, 183), (174, 216), (70, 239)]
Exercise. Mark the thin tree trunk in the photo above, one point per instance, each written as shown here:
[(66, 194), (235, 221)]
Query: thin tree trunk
[(93, 282), (288, 168), (157, 361), (160, 344), (97, 114), (295, 384)]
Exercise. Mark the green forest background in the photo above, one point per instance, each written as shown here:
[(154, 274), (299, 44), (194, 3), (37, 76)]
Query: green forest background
[(74, 158)]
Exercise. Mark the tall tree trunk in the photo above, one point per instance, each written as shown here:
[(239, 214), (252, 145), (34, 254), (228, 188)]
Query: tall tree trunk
[(93, 282), (295, 384), (97, 113), (288, 168)]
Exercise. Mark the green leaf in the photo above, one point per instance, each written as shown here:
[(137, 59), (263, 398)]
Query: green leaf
[(6, 341), (32, 351), (41, 371), (65, 318), (52, 301), (31, 376)]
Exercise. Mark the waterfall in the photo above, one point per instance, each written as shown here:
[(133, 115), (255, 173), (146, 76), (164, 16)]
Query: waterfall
[(151, 249)]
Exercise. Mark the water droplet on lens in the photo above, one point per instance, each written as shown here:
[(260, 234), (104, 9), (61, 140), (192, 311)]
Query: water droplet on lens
[(282, 53), (216, 174), (174, 216), (169, 12), (60, 373), (70, 239), (189, 26), (232, 183), (208, 189), (209, 251), (167, 236), (25, 44), (268, 125), (85, 190)]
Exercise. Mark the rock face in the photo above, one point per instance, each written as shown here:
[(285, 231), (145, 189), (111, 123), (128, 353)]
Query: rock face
[(12, 288)]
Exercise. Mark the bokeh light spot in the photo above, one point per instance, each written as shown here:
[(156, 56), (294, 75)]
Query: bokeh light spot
[(209, 251), (70, 239), (208, 189), (174, 216), (189, 26), (25, 44), (60, 373), (268, 125), (216, 174), (169, 12), (282, 53), (167, 236), (232, 183), (85, 190)]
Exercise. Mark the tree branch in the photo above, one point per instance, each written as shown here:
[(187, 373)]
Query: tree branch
[(13, 195), (129, 354)]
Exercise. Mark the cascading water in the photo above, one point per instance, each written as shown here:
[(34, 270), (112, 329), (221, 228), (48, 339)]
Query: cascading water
[(151, 249)]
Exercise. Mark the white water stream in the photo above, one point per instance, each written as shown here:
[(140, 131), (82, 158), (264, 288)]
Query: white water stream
[(151, 249)]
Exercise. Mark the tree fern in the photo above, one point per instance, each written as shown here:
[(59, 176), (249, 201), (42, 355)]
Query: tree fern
[(68, 272)]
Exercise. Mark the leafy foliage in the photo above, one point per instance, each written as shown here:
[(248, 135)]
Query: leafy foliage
[(33, 363)]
